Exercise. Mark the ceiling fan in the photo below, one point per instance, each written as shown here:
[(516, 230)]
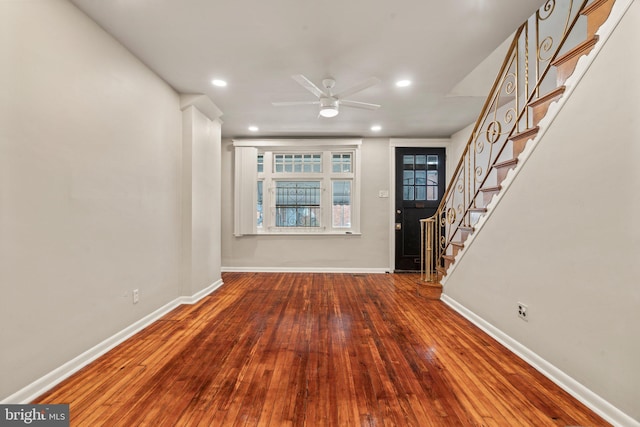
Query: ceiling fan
[(327, 100)]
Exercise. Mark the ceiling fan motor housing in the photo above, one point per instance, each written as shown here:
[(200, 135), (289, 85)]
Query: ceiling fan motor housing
[(326, 102)]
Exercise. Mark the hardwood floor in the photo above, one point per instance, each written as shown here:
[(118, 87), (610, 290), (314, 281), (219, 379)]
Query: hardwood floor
[(315, 350)]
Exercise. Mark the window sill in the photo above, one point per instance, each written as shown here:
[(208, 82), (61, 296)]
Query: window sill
[(301, 233)]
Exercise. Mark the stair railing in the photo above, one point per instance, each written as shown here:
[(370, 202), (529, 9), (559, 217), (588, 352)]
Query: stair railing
[(523, 77)]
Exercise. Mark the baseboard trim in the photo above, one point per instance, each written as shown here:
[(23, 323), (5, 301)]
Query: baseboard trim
[(596, 403), (304, 270), (201, 294), (53, 378)]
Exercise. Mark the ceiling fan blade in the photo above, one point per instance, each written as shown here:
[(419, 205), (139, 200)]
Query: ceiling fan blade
[(371, 81), (356, 104), (308, 85), (288, 103)]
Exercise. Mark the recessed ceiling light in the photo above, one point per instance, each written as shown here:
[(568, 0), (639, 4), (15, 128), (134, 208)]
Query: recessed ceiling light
[(403, 83), (376, 128), (218, 82), (254, 128)]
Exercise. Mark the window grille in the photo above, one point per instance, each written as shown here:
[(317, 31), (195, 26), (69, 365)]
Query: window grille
[(297, 204), (420, 177), (341, 162), (297, 163)]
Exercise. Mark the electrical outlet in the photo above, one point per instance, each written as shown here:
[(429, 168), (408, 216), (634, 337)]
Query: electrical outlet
[(523, 312), (136, 296)]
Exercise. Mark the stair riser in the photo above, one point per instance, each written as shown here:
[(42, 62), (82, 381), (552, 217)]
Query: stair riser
[(519, 142), (540, 109), (488, 195), (566, 65), (597, 14)]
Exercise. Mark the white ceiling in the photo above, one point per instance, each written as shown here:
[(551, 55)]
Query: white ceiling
[(257, 45)]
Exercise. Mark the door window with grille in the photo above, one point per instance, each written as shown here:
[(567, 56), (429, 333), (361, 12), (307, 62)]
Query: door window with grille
[(420, 178)]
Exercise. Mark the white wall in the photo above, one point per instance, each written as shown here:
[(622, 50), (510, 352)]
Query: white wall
[(565, 238), (369, 251), (90, 190), (456, 148)]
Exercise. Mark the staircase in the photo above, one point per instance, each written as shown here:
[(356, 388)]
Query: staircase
[(543, 55)]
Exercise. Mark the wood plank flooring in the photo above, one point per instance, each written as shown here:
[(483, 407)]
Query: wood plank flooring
[(314, 350)]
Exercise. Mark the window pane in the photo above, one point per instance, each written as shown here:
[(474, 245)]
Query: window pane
[(432, 192), (408, 178), (297, 204), (421, 177), (432, 177), (260, 163), (335, 163), (421, 159), (421, 192), (407, 160), (341, 162), (341, 205), (432, 160), (259, 210), (408, 192)]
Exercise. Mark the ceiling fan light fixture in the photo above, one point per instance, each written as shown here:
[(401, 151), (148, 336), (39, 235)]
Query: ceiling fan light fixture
[(328, 111), (328, 107)]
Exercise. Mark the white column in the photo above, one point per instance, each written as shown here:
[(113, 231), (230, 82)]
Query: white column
[(201, 189)]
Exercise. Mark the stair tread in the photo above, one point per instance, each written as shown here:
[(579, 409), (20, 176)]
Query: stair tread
[(457, 244), (506, 163), (528, 133), (478, 210), (448, 257), (593, 6), (490, 189), (549, 96), (579, 49)]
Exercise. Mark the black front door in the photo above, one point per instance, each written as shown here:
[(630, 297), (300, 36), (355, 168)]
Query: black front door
[(420, 182)]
